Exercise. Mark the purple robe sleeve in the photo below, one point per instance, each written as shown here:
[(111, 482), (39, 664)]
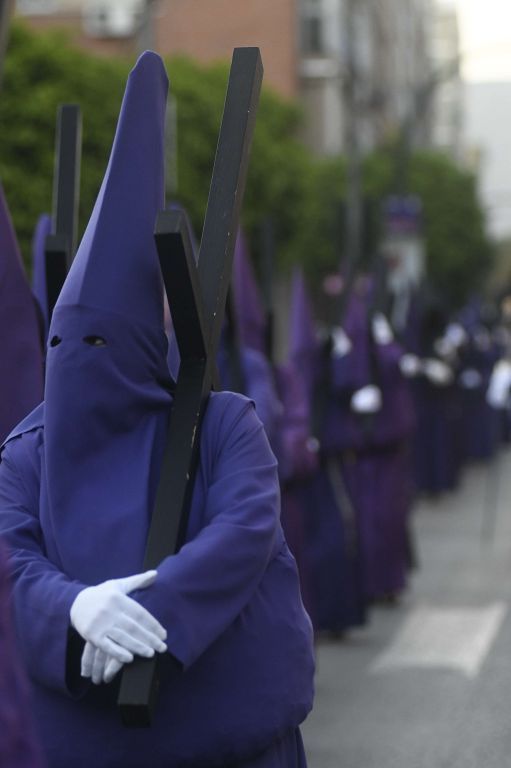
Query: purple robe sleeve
[(18, 747), (261, 389), (200, 591), (42, 594)]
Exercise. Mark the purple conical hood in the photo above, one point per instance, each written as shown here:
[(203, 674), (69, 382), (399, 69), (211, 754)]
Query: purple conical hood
[(247, 301), (110, 270), (42, 230), (108, 395), (21, 382)]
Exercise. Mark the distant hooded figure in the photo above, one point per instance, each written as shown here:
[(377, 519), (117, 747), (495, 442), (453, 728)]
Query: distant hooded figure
[(331, 549), (78, 480), (18, 748), (247, 301), (21, 360), (242, 362), (39, 286), (438, 448)]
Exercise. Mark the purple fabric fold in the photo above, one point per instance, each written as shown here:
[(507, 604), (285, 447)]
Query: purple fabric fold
[(21, 382)]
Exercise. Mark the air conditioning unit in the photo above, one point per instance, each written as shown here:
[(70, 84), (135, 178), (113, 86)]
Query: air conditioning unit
[(112, 18)]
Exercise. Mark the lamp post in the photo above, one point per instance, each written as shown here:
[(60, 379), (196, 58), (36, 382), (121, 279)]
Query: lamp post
[(146, 38), (350, 87), (421, 97)]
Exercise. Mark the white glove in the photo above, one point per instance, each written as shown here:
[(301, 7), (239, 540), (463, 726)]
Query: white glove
[(410, 365), (500, 384), (470, 378), (456, 335), (382, 332), (97, 665), (366, 400), (444, 347), (115, 623), (437, 372), (341, 342)]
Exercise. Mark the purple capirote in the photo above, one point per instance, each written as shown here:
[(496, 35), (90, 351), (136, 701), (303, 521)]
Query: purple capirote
[(250, 316), (39, 287), (21, 381)]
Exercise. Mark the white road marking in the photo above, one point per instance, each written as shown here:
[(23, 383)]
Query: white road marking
[(455, 638)]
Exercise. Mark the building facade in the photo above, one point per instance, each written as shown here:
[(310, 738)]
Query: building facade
[(448, 98), (202, 29), (364, 56), (208, 31), (368, 63)]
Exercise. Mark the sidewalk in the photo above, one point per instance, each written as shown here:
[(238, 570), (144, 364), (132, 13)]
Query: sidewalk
[(428, 683)]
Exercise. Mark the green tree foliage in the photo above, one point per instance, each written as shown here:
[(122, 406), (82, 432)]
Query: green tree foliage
[(41, 72), (302, 194), (281, 171), (44, 70)]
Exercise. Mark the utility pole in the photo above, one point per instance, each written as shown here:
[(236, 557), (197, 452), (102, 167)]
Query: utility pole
[(351, 98), (6, 11), (145, 35), (420, 102)]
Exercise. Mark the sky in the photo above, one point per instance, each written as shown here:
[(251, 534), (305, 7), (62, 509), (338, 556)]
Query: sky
[(485, 41), (485, 31)]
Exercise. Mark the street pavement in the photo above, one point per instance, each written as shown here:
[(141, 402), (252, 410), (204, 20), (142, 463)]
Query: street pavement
[(427, 684)]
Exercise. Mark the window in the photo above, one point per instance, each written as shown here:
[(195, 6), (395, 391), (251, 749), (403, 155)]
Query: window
[(312, 28)]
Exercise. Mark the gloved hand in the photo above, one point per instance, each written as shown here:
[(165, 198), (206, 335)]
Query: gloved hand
[(97, 665), (382, 332), (366, 400), (456, 335), (116, 624), (500, 385), (341, 343), (470, 378), (410, 365), (437, 372)]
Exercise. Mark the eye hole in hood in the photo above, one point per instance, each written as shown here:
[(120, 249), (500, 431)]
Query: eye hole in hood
[(95, 341), (55, 341)]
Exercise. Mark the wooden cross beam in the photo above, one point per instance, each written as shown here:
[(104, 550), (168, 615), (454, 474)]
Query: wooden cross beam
[(60, 246), (268, 264), (197, 296)]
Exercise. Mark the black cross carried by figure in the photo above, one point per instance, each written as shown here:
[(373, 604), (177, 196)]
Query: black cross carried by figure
[(197, 296), (60, 246)]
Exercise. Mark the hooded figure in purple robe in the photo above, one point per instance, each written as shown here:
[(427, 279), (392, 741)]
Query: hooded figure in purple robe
[(39, 287), (242, 362), (370, 440), (250, 314), (78, 480), (331, 554), (437, 446), (18, 747), (477, 355), (21, 381)]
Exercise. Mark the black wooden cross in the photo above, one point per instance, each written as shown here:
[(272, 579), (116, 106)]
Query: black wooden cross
[(60, 246), (267, 234), (197, 296)]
